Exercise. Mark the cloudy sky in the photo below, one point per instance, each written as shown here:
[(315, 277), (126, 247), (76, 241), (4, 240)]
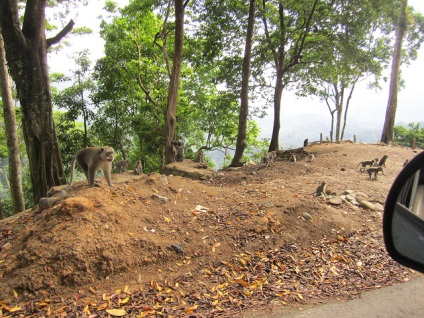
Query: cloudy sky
[(367, 106)]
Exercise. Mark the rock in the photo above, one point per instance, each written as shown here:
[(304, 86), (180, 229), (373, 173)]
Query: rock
[(163, 179), (336, 200), (307, 216), (379, 206), (188, 169), (330, 191), (46, 203), (361, 194), (366, 205), (159, 198), (349, 197), (177, 249), (267, 204)]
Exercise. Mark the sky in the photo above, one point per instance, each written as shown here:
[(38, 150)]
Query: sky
[(366, 111)]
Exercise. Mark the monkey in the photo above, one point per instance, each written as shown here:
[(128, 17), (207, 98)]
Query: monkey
[(375, 170), (293, 158), (305, 142), (311, 157), (367, 163), (382, 162), (405, 163), (178, 150), (138, 168), (375, 162), (320, 190), (121, 166), (200, 156), (92, 159), (267, 159)]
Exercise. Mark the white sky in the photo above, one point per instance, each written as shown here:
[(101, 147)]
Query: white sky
[(367, 106)]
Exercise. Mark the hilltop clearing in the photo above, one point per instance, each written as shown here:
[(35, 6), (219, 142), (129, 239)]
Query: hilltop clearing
[(173, 246)]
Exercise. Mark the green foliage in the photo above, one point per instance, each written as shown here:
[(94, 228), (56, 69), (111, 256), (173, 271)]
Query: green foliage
[(70, 135), (404, 136), (81, 31)]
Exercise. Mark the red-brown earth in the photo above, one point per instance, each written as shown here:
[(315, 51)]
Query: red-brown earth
[(241, 239)]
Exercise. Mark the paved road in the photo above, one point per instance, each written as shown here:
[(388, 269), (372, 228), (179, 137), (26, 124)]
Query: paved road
[(404, 300)]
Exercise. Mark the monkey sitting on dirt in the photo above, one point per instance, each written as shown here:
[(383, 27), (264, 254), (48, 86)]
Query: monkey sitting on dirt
[(178, 150), (92, 159), (200, 157), (138, 168), (121, 166), (367, 163), (321, 189)]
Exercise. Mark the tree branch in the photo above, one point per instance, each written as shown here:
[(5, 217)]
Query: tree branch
[(56, 39)]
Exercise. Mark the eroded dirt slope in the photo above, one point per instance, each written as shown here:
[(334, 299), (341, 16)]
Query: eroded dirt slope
[(179, 247)]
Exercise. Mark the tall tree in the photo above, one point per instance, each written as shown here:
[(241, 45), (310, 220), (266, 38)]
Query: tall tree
[(11, 135), (389, 122), (26, 52), (286, 26), (171, 109), (244, 96)]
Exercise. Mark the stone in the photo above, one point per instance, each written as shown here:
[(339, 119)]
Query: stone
[(336, 200), (159, 198), (307, 216), (366, 205)]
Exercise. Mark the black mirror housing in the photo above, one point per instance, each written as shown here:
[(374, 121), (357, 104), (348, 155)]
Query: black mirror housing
[(403, 219)]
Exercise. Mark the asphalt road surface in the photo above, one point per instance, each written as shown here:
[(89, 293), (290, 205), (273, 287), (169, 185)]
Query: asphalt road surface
[(404, 300)]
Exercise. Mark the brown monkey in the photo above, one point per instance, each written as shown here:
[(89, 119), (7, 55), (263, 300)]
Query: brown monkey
[(178, 150), (138, 168), (320, 190), (375, 162), (200, 156), (375, 171), (382, 162), (121, 166), (92, 159), (366, 163), (305, 142), (267, 159)]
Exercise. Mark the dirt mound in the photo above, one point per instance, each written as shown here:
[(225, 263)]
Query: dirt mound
[(148, 231)]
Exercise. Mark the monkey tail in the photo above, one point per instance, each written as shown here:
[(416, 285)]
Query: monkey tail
[(72, 170)]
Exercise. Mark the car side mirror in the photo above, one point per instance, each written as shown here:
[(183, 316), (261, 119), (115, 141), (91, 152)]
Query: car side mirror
[(403, 219)]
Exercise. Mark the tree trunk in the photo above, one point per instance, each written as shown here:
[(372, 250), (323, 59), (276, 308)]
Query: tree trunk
[(11, 131), (347, 108), (244, 97), (278, 93), (171, 109), (389, 122), (283, 63), (26, 53), (339, 111)]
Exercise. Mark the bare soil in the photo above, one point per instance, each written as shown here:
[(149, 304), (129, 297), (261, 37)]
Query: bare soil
[(177, 247)]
